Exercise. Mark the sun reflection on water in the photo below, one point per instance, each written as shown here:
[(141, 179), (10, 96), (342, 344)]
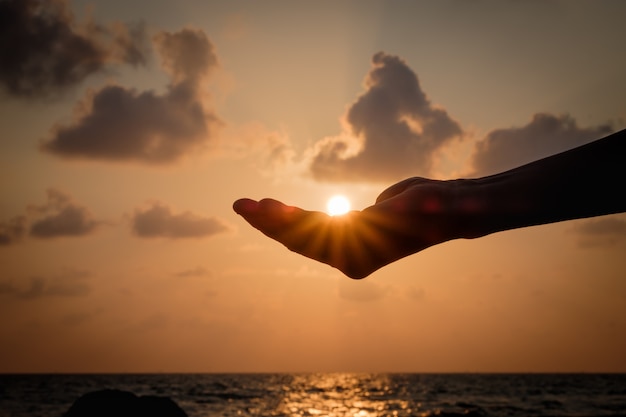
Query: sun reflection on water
[(342, 395)]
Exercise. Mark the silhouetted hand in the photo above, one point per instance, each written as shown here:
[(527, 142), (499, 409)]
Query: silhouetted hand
[(417, 213), (407, 217)]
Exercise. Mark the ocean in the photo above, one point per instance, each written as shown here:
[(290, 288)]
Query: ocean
[(333, 394)]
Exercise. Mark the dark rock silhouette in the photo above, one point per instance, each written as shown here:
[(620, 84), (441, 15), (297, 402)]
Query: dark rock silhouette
[(110, 402)]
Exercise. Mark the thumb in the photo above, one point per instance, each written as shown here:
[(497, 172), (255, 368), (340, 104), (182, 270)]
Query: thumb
[(399, 187)]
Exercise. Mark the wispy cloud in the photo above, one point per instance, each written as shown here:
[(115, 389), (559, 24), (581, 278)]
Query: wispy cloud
[(544, 135), (117, 123), (601, 232), (44, 50), (271, 152), (69, 283), (198, 271), (391, 131), (416, 294), (158, 220), (60, 217), (13, 230)]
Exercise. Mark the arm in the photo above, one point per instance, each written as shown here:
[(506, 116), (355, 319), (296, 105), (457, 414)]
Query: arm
[(575, 184), (417, 213)]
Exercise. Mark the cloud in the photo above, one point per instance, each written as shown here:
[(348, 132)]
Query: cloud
[(392, 130), (69, 283), (271, 152), (122, 124), (416, 294), (159, 221), (60, 216), (198, 271), (188, 55), (13, 230), (44, 50), (544, 135), (602, 232)]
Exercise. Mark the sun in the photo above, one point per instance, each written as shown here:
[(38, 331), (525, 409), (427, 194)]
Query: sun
[(338, 205)]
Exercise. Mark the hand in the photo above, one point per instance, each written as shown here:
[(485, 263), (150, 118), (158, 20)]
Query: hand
[(417, 213), (408, 217)]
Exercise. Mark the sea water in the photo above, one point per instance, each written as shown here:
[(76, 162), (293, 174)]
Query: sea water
[(333, 394)]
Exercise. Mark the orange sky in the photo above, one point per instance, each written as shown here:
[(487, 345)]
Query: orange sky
[(129, 128)]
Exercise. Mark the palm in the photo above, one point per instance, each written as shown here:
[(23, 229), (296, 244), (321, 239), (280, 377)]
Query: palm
[(406, 218)]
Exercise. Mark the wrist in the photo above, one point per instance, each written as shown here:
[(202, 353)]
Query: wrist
[(488, 205)]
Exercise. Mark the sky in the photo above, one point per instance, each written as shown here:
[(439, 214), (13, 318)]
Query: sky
[(129, 129)]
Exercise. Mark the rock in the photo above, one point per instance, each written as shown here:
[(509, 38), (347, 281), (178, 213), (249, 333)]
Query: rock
[(110, 403)]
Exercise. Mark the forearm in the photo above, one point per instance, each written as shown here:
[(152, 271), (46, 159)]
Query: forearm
[(583, 182)]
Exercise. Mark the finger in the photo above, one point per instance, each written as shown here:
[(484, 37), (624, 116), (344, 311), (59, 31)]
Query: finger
[(245, 206), (399, 188), (271, 217), (331, 240)]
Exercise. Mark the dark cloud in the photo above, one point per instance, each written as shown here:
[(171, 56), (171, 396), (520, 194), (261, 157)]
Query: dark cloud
[(60, 216), (545, 135), (122, 124), (69, 283), (159, 221), (187, 55), (602, 232), (392, 130), (44, 50), (13, 230)]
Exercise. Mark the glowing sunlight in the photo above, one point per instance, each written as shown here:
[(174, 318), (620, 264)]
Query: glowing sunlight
[(337, 205)]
